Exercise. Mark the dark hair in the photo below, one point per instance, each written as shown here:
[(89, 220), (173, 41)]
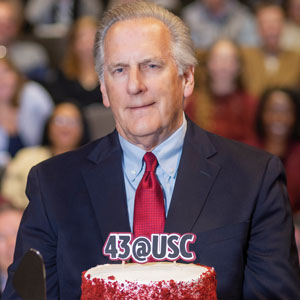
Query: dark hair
[(293, 95), (85, 131), (260, 5)]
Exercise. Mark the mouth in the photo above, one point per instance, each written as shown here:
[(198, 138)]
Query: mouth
[(143, 106)]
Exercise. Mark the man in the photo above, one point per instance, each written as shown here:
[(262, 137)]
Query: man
[(231, 196), (270, 65), (29, 57), (10, 218)]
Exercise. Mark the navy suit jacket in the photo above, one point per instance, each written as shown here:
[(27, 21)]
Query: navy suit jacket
[(232, 196)]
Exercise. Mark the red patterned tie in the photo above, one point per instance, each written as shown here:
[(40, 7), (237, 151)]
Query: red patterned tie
[(149, 208)]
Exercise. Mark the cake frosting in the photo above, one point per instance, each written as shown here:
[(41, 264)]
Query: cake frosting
[(160, 280)]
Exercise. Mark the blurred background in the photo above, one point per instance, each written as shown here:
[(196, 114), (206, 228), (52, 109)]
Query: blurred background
[(247, 85)]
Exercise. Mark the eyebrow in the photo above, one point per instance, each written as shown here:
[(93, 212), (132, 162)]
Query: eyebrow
[(153, 59), (143, 62)]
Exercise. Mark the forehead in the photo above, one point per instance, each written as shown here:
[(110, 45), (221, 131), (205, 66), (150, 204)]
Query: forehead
[(224, 47), (67, 109), (131, 37), (7, 11), (279, 98), (270, 13)]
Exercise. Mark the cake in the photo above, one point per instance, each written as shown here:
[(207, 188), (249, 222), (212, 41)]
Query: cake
[(157, 281)]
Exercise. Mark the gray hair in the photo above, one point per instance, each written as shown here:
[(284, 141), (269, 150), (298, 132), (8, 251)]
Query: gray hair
[(182, 47)]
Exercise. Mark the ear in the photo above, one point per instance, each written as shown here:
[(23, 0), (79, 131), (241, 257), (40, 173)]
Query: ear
[(104, 94), (188, 82)]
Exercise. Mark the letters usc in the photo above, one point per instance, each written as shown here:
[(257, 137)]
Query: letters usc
[(124, 246)]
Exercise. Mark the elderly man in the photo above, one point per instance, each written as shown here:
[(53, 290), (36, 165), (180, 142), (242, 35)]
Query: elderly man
[(232, 197)]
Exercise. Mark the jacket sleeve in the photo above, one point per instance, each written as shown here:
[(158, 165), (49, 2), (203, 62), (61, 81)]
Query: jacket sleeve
[(272, 268), (36, 231)]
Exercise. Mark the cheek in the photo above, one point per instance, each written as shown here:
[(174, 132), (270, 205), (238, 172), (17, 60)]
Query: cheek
[(77, 135), (52, 132), (290, 120)]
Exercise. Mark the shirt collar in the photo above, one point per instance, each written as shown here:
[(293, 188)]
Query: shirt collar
[(167, 153)]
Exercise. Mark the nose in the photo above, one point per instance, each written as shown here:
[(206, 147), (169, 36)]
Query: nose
[(135, 83)]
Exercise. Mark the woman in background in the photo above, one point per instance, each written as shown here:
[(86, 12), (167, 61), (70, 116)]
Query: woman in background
[(277, 131), (219, 103), (77, 79), (24, 108), (66, 130)]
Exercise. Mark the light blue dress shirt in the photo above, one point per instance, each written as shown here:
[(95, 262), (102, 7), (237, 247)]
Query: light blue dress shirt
[(168, 154)]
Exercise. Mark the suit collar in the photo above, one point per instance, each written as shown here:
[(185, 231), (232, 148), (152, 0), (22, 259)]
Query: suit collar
[(105, 183), (195, 178), (105, 147)]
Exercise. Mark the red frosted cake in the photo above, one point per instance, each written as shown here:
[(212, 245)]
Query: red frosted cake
[(159, 281)]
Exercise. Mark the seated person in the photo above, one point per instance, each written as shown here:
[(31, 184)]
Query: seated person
[(277, 131), (30, 57), (269, 64), (24, 108), (77, 79), (10, 218), (65, 130), (220, 104)]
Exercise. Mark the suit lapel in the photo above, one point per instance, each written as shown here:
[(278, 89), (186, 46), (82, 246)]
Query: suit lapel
[(105, 183), (196, 176)]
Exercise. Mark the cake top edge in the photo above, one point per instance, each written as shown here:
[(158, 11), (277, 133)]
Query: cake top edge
[(148, 272)]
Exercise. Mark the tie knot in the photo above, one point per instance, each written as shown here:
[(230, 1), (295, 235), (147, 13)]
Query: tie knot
[(151, 161)]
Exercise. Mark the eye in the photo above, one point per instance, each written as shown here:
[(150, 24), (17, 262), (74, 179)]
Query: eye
[(152, 66), (118, 70)]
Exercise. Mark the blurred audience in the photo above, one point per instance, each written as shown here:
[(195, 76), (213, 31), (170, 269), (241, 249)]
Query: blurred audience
[(277, 131), (221, 104), (24, 108), (28, 56), (77, 79), (270, 64), (291, 33), (210, 20), (65, 130), (52, 16), (173, 5), (10, 218)]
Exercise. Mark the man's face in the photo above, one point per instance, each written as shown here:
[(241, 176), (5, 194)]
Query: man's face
[(214, 5), (9, 224), (223, 63), (270, 23), (141, 81), (9, 24)]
